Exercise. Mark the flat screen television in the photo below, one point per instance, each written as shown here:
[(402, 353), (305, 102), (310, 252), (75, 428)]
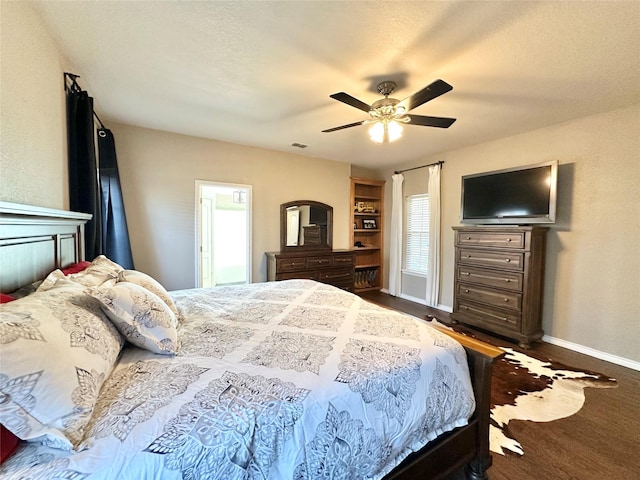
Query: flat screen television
[(512, 196)]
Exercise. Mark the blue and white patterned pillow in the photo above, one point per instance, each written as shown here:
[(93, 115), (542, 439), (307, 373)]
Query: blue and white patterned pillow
[(58, 347), (150, 283), (142, 317)]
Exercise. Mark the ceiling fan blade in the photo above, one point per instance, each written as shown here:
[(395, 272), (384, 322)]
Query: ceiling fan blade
[(429, 92), (440, 122), (343, 126), (349, 100)]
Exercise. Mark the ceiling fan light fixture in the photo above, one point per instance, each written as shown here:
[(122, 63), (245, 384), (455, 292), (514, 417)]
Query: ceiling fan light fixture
[(395, 130), (387, 114), (385, 131)]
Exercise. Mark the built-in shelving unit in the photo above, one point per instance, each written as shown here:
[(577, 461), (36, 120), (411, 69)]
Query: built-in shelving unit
[(367, 205)]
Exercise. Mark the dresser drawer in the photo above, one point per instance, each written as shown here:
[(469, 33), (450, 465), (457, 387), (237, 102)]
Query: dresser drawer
[(331, 267), (343, 260), (491, 278), (491, 258), (337, 275), (291, 264), (319, 261), (492, 297), (302, 275), (482, 315), (515, 240)]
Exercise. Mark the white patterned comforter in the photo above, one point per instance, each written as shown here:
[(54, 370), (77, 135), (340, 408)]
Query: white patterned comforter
[(281, 380)]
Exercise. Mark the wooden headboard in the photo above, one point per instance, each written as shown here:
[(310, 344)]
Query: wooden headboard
[(36, 240)]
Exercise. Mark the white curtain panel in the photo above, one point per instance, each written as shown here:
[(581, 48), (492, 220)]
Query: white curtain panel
[(433, 269), (395, 242)]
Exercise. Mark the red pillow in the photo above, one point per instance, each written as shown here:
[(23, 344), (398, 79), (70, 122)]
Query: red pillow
[(8, 443), (75, 268), (4, 298)]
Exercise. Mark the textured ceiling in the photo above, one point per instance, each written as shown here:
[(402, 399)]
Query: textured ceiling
[(260, 73)]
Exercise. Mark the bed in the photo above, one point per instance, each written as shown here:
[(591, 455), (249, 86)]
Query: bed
[(292, 379)]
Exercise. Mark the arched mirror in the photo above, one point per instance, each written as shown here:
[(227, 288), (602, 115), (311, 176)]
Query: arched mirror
[(306, 224)]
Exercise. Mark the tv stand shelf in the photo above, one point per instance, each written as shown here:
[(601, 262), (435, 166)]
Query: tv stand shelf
[(499, 275)]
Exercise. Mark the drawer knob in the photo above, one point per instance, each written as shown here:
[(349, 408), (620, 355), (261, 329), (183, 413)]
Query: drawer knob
[(466, 273), (507, 280), (466, 290), (508, 260), (508, 239), (506, 300), (468, 238)]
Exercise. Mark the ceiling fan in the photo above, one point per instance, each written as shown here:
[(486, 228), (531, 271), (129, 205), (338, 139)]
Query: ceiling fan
[(388, 113)]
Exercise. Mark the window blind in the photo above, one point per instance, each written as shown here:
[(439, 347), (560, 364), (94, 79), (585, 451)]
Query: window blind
[(416, 241)]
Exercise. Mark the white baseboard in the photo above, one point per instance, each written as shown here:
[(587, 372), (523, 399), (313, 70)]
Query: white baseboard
[(592, 352)]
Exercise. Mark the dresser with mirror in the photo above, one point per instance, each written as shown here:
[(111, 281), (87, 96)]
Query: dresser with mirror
[(306, 247)]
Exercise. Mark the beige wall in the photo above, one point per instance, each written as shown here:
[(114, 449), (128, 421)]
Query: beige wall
[(33, 155), (592, 284), (158, 171)]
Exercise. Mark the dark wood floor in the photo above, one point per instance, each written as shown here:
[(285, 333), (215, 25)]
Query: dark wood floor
[(601, 441)]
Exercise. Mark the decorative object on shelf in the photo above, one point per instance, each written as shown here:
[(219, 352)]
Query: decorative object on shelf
[(366, 278), (369, 224)]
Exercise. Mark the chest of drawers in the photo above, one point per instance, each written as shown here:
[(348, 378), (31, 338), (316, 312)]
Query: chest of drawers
[(499, 275), (335, 267)]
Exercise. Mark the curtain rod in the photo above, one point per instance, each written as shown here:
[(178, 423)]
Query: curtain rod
[(75, 87), (441, 162)]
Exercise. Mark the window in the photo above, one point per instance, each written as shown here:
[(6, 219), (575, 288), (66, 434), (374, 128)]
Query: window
[(416, 240)]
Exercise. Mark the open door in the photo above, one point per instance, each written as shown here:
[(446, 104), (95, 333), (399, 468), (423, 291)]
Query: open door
[(223, 234)]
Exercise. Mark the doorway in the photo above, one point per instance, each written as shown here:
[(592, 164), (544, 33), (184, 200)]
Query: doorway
[(223, 234)]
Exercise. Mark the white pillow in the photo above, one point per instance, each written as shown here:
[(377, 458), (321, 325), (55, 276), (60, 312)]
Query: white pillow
[(100, 271), (150, 283), (58, 347), (140, 315)]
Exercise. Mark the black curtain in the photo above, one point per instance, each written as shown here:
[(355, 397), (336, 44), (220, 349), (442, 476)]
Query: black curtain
[(84, 195), (115, 235)]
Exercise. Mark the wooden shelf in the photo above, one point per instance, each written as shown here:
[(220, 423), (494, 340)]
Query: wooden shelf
[(367, 289), (366, 193), (367, 197), (366, 266)]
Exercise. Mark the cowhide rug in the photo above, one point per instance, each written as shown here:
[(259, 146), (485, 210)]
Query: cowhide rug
[(524, 387), (527, 388)]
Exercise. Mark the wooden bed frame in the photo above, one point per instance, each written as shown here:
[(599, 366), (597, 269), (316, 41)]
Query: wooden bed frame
[(35, 240)]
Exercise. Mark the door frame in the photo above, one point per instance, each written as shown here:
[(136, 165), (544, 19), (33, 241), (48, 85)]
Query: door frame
[(199, 184)]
